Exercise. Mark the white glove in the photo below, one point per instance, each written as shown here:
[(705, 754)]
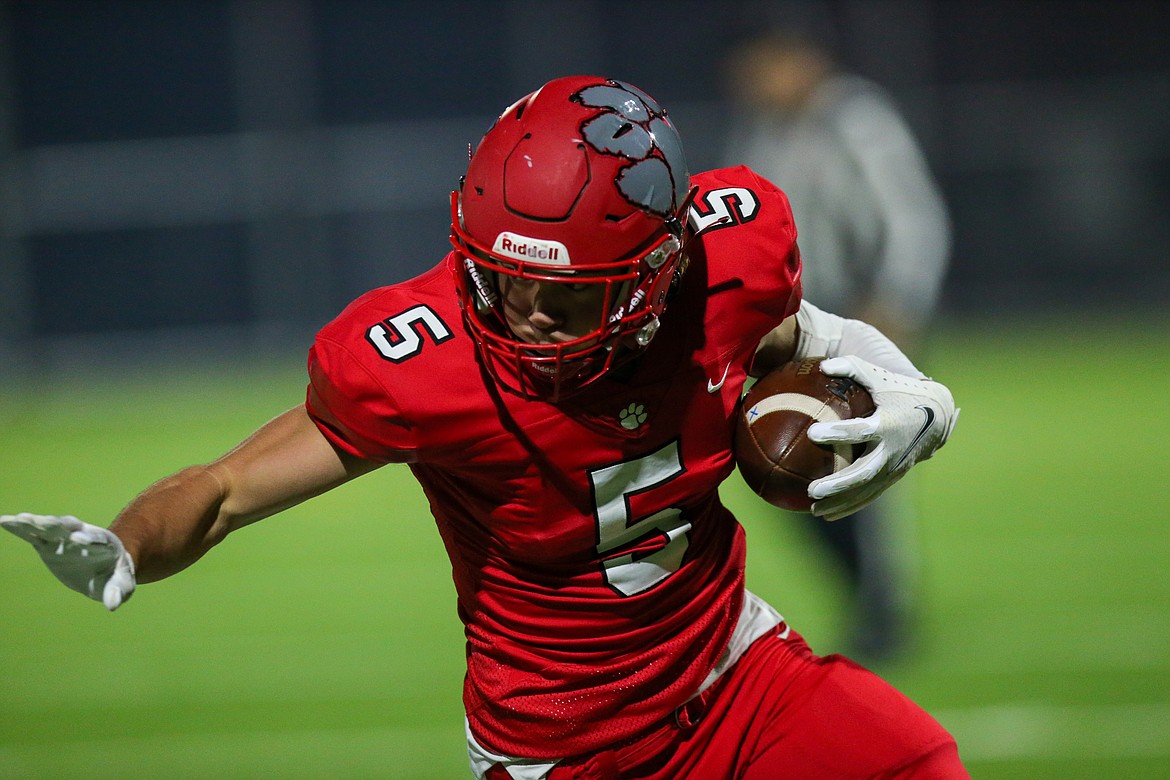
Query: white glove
[(88, 559), (913, 418)]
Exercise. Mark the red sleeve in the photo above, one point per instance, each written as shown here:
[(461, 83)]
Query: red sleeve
[(744, 227), (352, 407)]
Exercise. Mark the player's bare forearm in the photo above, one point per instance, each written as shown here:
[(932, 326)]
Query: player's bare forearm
[(173, 523), (776, 348), (177, 520)]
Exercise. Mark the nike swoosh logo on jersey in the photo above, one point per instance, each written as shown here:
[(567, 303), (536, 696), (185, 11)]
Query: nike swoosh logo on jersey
[(712, 386), (926, 410)]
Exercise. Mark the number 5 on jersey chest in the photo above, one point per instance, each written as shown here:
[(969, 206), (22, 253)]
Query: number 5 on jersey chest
[(638, 553)]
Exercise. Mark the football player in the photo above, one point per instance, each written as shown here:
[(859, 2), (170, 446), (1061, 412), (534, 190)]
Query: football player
[(563, 385)]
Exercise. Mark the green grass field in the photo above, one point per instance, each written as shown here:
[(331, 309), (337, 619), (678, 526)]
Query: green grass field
[(323, 643)]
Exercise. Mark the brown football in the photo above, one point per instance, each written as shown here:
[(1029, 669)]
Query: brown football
[(772, 448)]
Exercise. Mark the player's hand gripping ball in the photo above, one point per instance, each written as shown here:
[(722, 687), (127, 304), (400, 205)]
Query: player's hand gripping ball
[(772, 449)]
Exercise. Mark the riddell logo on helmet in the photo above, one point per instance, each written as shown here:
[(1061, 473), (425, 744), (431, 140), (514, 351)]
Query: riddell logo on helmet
[(534, 250)]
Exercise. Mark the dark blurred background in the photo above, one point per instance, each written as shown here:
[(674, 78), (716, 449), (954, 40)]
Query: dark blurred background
[(227, 174)]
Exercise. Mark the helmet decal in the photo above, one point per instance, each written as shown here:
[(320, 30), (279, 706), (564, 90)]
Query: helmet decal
[(635, 127), (650, 102), (647, 183), (620, 99), (534, 250), (612, 134)]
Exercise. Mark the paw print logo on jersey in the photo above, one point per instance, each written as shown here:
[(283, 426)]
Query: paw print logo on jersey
[(634, 126), (632, 416)]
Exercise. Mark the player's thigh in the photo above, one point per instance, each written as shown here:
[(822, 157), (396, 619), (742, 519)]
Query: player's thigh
[(839, 720)]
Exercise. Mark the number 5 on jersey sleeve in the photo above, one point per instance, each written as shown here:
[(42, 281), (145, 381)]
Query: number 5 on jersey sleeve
[(398, 338)]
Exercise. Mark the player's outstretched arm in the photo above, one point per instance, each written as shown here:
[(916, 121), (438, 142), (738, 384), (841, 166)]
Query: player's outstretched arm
[(177, 520)]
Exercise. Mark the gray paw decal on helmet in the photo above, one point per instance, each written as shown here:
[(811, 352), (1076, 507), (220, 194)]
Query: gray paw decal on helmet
[(635, 127)]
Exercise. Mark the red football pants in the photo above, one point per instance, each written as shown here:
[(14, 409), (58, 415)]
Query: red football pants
[(783, 712)]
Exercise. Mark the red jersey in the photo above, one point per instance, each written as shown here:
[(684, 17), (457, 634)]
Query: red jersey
[(598, 575)]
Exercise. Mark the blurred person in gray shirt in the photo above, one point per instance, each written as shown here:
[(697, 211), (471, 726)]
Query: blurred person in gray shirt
[(874, 235)]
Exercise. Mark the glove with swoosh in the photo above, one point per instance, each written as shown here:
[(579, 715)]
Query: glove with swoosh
[(913, 419), (86, 558)]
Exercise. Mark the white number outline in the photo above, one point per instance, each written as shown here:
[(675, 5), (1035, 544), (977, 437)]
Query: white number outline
[(725, 207), (631, 573), (398, 338)]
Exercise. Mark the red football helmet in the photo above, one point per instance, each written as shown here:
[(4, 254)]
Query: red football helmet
[(580, 185)]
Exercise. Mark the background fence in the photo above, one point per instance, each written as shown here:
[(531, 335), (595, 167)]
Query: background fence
[(206, 171)]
